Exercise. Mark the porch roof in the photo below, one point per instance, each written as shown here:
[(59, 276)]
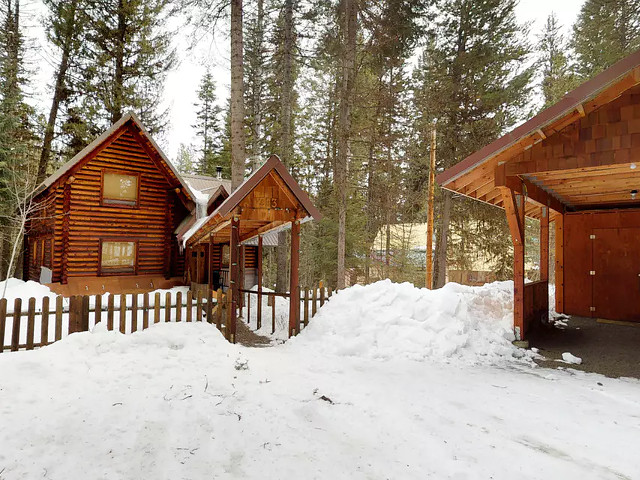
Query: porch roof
[(269, 199), (580, 153)]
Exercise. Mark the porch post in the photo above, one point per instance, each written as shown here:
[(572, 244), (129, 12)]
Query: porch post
[(210, 261), (294, 299), (544, 244), (234, 275), (514, 208), (559, 221), (259, 311)]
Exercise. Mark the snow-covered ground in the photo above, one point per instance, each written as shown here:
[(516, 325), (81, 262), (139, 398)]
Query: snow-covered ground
[(406, 384)]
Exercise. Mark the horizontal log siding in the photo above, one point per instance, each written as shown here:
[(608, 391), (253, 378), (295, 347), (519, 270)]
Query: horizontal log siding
[(90, 221), (42, 227)]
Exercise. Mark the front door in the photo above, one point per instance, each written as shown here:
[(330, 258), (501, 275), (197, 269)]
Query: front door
[(616, 273)]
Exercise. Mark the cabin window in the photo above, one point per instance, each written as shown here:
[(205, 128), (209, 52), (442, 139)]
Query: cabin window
[(119, 189), (118, 257)]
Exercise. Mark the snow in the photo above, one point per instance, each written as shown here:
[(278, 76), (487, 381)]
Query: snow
[(177, 401), (572, 359), (388, 320)]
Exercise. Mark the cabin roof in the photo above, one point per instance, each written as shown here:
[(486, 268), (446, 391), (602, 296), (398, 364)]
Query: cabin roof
[(475, 175), (218, 217), (103, 141), (206, 184)]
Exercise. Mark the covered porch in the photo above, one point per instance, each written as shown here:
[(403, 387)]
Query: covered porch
[(573, 166), (224, 250)]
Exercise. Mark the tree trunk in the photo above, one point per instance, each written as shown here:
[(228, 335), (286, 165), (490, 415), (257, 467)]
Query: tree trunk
[(344, 133), (441, 245), (286, 109), (61, 75), (257, 90), (237, 97), (118, 80)]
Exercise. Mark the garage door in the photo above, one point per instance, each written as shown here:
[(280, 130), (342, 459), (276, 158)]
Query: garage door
[(616, 274)]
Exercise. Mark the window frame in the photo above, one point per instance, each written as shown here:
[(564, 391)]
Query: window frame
[(114, 271), (113, 202)]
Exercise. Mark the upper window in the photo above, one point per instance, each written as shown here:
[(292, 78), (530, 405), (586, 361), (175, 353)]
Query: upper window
[(118, 257), (119, 189)]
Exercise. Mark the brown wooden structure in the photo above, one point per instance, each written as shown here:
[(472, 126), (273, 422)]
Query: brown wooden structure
[(269, 200), (112, 210), (574, 164)]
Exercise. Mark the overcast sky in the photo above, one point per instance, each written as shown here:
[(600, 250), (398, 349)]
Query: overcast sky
[(182, 82)]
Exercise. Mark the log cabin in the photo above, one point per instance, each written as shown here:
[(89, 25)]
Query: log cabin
[(119, 218), (575, 164)]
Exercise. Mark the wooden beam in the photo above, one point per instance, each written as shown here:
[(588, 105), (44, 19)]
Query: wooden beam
[(559, 224), (234, 243), (262, 230), (259, 311), (294, 299), (544, 244), (527, 188), (514, 208)]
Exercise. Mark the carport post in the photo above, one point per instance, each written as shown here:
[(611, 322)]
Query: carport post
[(544, 244), (514, 208)]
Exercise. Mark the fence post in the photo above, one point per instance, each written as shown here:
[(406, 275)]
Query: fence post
[(97, 310), (58, 318), (84, 314), (123, 313), (306, 306), (199, 306), (3, 321), (330, 293), (273, 314), (248, 308), (110, 308), (167, 307), (314, 305), (134, 312), (189, 305), (219, 309), (179, 307), (209, 305), (31, 323), (15, 332), (156, 308), (44, 324), (145, 311), (321, 294)]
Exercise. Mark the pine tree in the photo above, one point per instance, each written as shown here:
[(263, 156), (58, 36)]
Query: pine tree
[(17, 138), (255, 72), (125, 57), (605, 32), (65, 27), (185, 160), (238, 152), (208, 126), (478, 87), (557, 77)]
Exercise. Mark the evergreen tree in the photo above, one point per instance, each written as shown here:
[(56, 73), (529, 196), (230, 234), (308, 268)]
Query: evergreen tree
[(208, 127), (605, 32), (126, 54), (185, 161), (478, 87), (557, 77)]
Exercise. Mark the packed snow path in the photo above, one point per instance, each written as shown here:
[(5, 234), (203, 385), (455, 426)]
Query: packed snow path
[(177, 401)]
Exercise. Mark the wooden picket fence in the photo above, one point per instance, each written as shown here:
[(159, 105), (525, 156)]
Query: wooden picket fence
[(309, 297), (75, 313)]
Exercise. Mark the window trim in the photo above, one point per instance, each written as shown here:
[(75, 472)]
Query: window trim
[(114, 271), (114, 202)]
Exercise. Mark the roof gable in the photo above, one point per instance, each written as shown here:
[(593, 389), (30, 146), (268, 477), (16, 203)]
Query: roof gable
[(130, 126)]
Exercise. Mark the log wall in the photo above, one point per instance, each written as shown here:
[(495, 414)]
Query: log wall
[(88, 221)]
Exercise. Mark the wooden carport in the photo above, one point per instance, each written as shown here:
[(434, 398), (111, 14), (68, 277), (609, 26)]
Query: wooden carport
[(268, 200), (573, 164)]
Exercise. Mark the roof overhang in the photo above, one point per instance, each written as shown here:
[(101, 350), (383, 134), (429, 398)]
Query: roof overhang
[(503, 163)]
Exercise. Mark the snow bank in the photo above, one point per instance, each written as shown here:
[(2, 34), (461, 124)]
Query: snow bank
[(388, 320), (17, 288)]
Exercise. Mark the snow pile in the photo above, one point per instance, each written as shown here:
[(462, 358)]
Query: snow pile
[(17, 288), (388, 320), (568, 357)]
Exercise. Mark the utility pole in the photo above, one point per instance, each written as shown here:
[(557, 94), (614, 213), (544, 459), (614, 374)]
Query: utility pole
[(432, 181)]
